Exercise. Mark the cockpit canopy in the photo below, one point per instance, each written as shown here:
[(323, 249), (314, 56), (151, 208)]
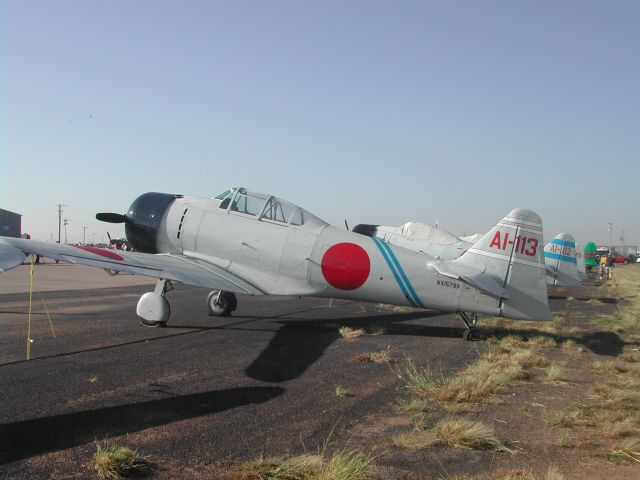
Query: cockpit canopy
[(266, 207)]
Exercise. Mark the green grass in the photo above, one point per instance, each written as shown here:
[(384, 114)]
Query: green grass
[(113, 462)]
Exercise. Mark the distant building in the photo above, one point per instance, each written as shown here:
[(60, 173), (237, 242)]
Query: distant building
[(10, 223)]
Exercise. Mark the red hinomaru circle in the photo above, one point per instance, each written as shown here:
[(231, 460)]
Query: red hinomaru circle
[(346, 266)]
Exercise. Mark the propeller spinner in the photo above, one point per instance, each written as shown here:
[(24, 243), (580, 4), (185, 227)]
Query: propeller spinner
[(143, 220)]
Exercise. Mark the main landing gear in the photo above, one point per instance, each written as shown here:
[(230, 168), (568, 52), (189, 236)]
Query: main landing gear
[(470, 320), (153, 309), (221, 303)]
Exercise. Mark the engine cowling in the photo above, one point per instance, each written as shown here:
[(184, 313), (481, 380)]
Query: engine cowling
[(143, 220)]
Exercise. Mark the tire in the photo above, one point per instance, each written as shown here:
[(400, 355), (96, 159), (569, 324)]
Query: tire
[(146, 323), (150, 324), (225, 304)]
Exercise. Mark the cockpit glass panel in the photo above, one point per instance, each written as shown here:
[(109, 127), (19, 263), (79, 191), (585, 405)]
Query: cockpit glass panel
[(224, 195), (298, 218), (247, 203), (278, 210)]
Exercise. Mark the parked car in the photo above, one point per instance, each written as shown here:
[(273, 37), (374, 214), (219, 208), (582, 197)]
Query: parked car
[(622, 259)]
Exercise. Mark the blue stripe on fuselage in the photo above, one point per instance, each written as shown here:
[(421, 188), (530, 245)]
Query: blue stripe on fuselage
[(379, 244), (413, 293)]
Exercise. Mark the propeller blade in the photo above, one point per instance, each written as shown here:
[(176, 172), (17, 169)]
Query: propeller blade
[(109, 236), (346, 224), (111, 217)]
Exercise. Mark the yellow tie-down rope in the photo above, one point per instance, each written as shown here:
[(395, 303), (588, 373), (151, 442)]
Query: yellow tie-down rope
[(29, 339)]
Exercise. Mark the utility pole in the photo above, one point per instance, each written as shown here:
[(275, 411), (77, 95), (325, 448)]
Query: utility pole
[(66, 222), (60, 221), (610, 230), (84, 235)]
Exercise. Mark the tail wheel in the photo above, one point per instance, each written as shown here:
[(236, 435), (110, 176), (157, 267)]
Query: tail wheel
[(221, 303)]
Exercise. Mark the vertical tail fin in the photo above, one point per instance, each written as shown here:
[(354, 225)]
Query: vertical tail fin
[(511, 253), (561, 262)]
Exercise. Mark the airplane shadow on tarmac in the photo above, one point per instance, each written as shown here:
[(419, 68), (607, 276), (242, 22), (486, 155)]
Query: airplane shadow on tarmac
[(24, 439), (298, 344)]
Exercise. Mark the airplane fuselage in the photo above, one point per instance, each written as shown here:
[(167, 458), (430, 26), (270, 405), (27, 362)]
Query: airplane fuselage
[(310, 259)]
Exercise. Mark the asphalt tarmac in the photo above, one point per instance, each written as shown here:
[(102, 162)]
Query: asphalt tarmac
[(204, 392)]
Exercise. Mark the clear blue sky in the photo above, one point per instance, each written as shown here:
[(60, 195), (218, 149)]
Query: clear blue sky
[(378, 112)]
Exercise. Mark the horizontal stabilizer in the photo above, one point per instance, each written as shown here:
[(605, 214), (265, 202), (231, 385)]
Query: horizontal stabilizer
[(476, 279), (561, 278)]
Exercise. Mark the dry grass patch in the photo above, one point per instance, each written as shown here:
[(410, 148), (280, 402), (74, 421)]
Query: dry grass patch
[(342, 392), (542, 341), (506, 362), (571, 347), (556, 373), (628, 449), (622, 428), (564, 441), (395, 308), (466, 433), (628, 357), (348, 332), (113, 461), (606, 367), (382, 356), (561, 419), (417, 410), (342, 465), (511, 474), (415, 440)]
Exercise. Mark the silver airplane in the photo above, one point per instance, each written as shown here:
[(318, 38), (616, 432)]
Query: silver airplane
[(560, 253), (244, 242)]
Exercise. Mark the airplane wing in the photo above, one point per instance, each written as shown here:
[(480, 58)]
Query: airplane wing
[(180, 268), (479, 280)]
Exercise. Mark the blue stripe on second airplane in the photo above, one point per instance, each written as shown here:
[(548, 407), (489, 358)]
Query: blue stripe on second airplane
[(396, 268), (563, 243)]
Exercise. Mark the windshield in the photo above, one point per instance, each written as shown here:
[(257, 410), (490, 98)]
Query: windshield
[(249, 203), (266, 207)]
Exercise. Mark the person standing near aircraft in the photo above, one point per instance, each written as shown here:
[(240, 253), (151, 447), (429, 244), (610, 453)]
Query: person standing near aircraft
[(611, 264)]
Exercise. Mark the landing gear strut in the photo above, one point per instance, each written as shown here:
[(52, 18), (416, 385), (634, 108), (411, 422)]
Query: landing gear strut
[(221, 303), (470, 320), (153, 308)]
